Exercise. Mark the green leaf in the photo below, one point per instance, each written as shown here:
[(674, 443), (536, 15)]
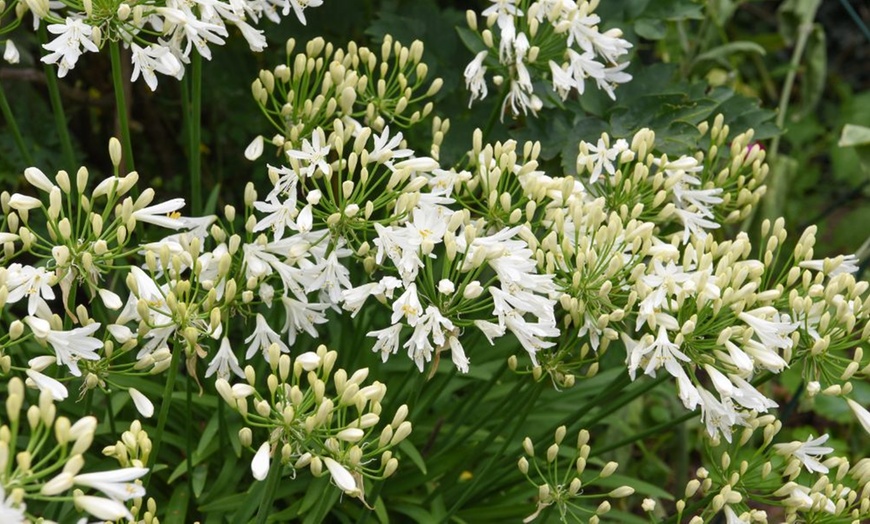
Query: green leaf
[(650, 29), (720, 54), (408, 449), (471, 40), (641, 487), (176, 510)]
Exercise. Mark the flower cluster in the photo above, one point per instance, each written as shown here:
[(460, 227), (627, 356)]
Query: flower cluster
[(568, 487), (324, 84), (316, 416), (42, 456), (161, 35), (548, 39), (807, 485)]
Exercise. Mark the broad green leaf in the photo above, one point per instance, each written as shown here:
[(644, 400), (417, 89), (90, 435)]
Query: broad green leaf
[(176, 510), (650, 29), (471, 39)]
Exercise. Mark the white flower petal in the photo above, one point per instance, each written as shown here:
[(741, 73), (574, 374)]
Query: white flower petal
[(45, 383), (143, 405), (254, 149), (341, 476), (260, 464)]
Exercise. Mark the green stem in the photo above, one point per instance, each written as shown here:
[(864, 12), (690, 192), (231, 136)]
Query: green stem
[(194, 133), (57, 107), (659, 429), (121, 103), (188, 437), (9, 117), (804, 31), (164, 411)]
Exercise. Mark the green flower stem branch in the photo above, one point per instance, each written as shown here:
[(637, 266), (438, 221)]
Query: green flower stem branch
[(57, 108), (163, 416), (194, 134), (121, 106)]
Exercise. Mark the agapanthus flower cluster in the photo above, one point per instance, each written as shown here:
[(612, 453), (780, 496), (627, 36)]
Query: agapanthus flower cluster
[(798, 481), (79, 238), (315, 416), (161, 35), (555, 40), (357, 85), (570, 484), (700, 192), (42, 456)]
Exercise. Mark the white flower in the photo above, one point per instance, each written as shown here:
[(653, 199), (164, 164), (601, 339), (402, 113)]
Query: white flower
[(299, 6), (408, 306), (280, 216), (808, 453), (9, 513), (70, 346), (142, 403), (384, 148), (66, 48), (314, 154), (772, 333), (718, 416), (457, 354), (161, 214), (475, 80), (224, 361), (341, 476), (260, 463), (10, 53), (154, 58), (30, 282), (263, 337), (833, 266), (388, 340), (45, 383), (115, 483), (302, 316), (103, 508)]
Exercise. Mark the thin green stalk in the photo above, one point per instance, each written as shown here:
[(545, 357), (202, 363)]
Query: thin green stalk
[(188, 433), (9, 117), (164, 411), (658, 429), (57, 107), (121, 103), (804, 31), (194, 133)]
